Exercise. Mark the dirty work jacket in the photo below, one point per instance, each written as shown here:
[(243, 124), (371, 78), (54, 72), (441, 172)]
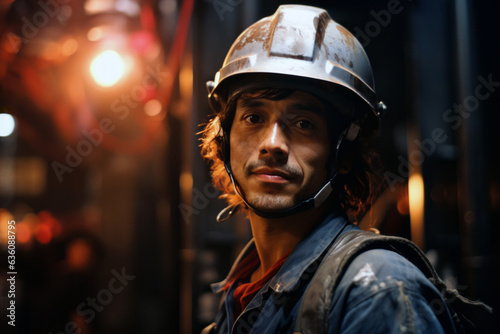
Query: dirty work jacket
[(381, 292)]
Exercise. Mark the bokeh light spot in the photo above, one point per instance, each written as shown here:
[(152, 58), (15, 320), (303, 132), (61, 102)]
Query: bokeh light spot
[(7, 125), (107, 68)]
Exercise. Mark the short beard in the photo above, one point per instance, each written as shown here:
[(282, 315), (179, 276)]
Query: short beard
[(270, 202)]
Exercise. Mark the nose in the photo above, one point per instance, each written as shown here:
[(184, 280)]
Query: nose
[(274, 143)]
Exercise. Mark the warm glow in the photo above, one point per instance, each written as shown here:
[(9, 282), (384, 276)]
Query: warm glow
[(79, 255), (107, 68), (97, 6), (95, 34), (186, 181), (5, 218), (69, 47), (402, 206), (416, 201), (152, 107), (129, 7), (23, 233), (186, 81), (43, 233), (51, 51), (7, 125)]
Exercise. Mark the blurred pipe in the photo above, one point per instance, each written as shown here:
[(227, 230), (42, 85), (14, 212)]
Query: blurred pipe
[(173, 66), (475, 230), (178, 45)]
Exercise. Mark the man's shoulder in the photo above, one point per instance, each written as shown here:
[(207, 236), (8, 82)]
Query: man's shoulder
[(360, 253), (381, 271), (383, 285), (383, 264), (369, 279)]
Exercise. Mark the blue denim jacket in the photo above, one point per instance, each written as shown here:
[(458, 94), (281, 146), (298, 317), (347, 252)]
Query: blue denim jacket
[(381, 292)]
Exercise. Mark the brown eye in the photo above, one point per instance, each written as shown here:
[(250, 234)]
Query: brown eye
[(304, 124), (253, 119)]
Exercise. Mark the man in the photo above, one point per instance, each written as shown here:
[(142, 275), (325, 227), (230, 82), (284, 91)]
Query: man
[(295, 106)]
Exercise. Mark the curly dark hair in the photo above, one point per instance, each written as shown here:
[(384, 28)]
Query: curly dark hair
[(355, 190)]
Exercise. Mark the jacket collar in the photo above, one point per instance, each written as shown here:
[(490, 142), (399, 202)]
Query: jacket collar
[(308, 252), (217, 287), (304, 255)]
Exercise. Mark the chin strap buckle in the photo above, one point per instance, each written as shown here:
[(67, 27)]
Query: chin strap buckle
[(227, 212)]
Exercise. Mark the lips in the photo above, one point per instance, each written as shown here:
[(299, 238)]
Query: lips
[(272, 175)]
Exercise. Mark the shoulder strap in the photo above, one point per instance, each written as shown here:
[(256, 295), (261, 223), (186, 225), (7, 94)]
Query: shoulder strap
[(313, 311)]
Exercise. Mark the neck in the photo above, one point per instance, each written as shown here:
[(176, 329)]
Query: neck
[(275, 237)]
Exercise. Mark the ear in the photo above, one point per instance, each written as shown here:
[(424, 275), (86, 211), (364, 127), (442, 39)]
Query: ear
[(344, 164), (223, 143)]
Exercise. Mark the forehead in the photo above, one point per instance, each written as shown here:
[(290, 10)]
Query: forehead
[(292, 100)]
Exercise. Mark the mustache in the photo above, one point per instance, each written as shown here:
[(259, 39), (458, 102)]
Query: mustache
[(293, 172)]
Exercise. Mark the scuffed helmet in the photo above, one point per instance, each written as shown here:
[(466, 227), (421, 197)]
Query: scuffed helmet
[(300, 47)]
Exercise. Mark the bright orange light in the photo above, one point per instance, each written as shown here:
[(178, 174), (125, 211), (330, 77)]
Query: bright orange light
[(5, 218), (95, 34), (46, 217), (43, 233), (186, 81), (79, 254), (402, 206), (416, 201), (69, 47), (186, 181), (23, 233), (107, 68), (152, 107)]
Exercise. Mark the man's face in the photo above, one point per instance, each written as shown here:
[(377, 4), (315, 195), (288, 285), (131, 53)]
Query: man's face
[(279, 149)]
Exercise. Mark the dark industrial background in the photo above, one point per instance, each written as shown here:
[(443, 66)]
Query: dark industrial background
[(114, 209)]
